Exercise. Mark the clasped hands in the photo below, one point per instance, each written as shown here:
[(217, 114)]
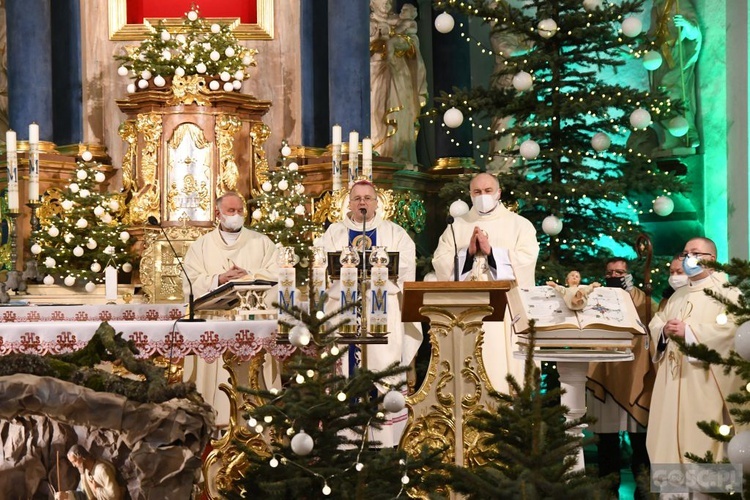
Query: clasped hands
[(674, 328), (479, 242), (232, 274)]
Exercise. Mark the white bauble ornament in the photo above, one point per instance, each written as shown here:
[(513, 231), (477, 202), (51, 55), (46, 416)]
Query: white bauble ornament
[(106, 218), (239, 75), (53, 231), (302, 443), (600, 141), (179, 71), (130, 89), (78, 251), (122, 71), (652, 60), (181, 38), (87, 156), (444, 23), (91, 244), (215, 28), (283, 184), (663, 205), (529, 149), (142, 84), (99, 177), (640, 119), (81, 175), (522, 81), (547, 28), (127, 267), (69, 281), (257, 214), (293, 167), (458, 208), (159, 81), (68, 238), (228, 87), (146, 74), (189, 59), (214, 85), (229, 52), (110, 250), (299, 188), (99, 211), (742, 340), (247, 60), (225, 76), (237, 85), (631, 26), (299, 210), (552, 225), (73, 187), (266, 186), (49, 280), (36, 249), (214, 56), (96, 267), (90, 287), (114, 205), (394, 401), (273, 215), (299, 336), (67, 205), (738, 449), (49, 262), (84, 193), (200, 67), (592, 5), (453, 118), (124, 236), (286, 150), (192, 15), (82, 223), (165, 36), (289, 222), (678, 126), (166, 55)]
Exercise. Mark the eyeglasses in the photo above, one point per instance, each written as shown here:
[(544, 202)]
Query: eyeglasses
[(366, 199), (684, 255)]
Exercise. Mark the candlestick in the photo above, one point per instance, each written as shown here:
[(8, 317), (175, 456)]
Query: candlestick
[(34, 162), (367, 158), (12, 158), (353, 157), (336, 157)]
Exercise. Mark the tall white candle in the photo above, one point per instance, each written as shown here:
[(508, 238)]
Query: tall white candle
[(110, 283), (34, 162), (367, 158), (353, 157), (12, 158), (336, 157)]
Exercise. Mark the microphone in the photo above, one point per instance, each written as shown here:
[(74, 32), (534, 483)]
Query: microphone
[(450, 220), (191, 298), (363, 211)]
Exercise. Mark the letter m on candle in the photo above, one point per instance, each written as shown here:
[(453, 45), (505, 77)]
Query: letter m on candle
[(286, 299), (379, 302), (347, 299)]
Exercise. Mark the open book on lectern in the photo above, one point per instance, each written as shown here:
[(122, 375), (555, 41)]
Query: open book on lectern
[(225, 297), (610, 315)]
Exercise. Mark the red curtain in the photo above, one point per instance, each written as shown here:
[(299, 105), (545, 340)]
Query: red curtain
[(138, 10)]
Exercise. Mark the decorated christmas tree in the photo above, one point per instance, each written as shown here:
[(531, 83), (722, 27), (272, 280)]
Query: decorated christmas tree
[(563, 126), (314, 433), (280, 209), (84, 234)]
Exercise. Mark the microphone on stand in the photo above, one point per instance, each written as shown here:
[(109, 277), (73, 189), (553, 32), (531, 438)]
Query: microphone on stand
[(191, 298), (450, 220)]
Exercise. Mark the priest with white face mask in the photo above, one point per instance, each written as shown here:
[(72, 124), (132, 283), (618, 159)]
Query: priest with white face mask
[(493, 244), (230, 252)]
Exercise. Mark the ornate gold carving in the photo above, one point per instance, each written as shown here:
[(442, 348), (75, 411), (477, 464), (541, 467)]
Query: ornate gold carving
[(145, 201), (128, 132), (50, 206), (188, 173), (259, 134), (189, 89), (228, 176)]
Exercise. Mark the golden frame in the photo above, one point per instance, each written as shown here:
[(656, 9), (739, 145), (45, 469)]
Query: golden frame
[(120, 30)]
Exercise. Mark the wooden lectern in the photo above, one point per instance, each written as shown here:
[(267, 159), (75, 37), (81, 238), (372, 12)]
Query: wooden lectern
[(456, 385)]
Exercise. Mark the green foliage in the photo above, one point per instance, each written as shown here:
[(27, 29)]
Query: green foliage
[(569, 102), (86, 221)]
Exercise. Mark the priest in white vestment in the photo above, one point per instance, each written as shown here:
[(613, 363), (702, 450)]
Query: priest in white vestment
[(686, 391), (493, 244), (229, 252), (404, 339)]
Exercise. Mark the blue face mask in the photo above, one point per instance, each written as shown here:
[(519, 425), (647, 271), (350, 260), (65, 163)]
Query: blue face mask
[(690, 265)]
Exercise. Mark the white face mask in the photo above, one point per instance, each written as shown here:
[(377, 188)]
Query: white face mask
[(484, 202), (232, 222), (678, 281)]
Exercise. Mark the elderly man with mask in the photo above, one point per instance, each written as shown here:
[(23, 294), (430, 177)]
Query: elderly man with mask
[(493, 244), (404, 339), (687, 390)]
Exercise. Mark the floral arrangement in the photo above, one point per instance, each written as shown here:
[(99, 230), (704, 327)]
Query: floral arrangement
[(195, 48)]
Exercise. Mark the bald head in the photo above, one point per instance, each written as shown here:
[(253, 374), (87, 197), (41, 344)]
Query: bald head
[(702, 245)]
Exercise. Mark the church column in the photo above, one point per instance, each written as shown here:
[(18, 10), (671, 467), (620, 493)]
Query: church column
[(29, 66), (314, 61), (349, 65), (67, 90)]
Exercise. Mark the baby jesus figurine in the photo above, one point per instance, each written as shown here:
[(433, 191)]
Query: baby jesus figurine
[(574, 294)]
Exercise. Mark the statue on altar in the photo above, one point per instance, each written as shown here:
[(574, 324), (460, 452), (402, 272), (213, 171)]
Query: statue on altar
[(398, 81), (574, 294)]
